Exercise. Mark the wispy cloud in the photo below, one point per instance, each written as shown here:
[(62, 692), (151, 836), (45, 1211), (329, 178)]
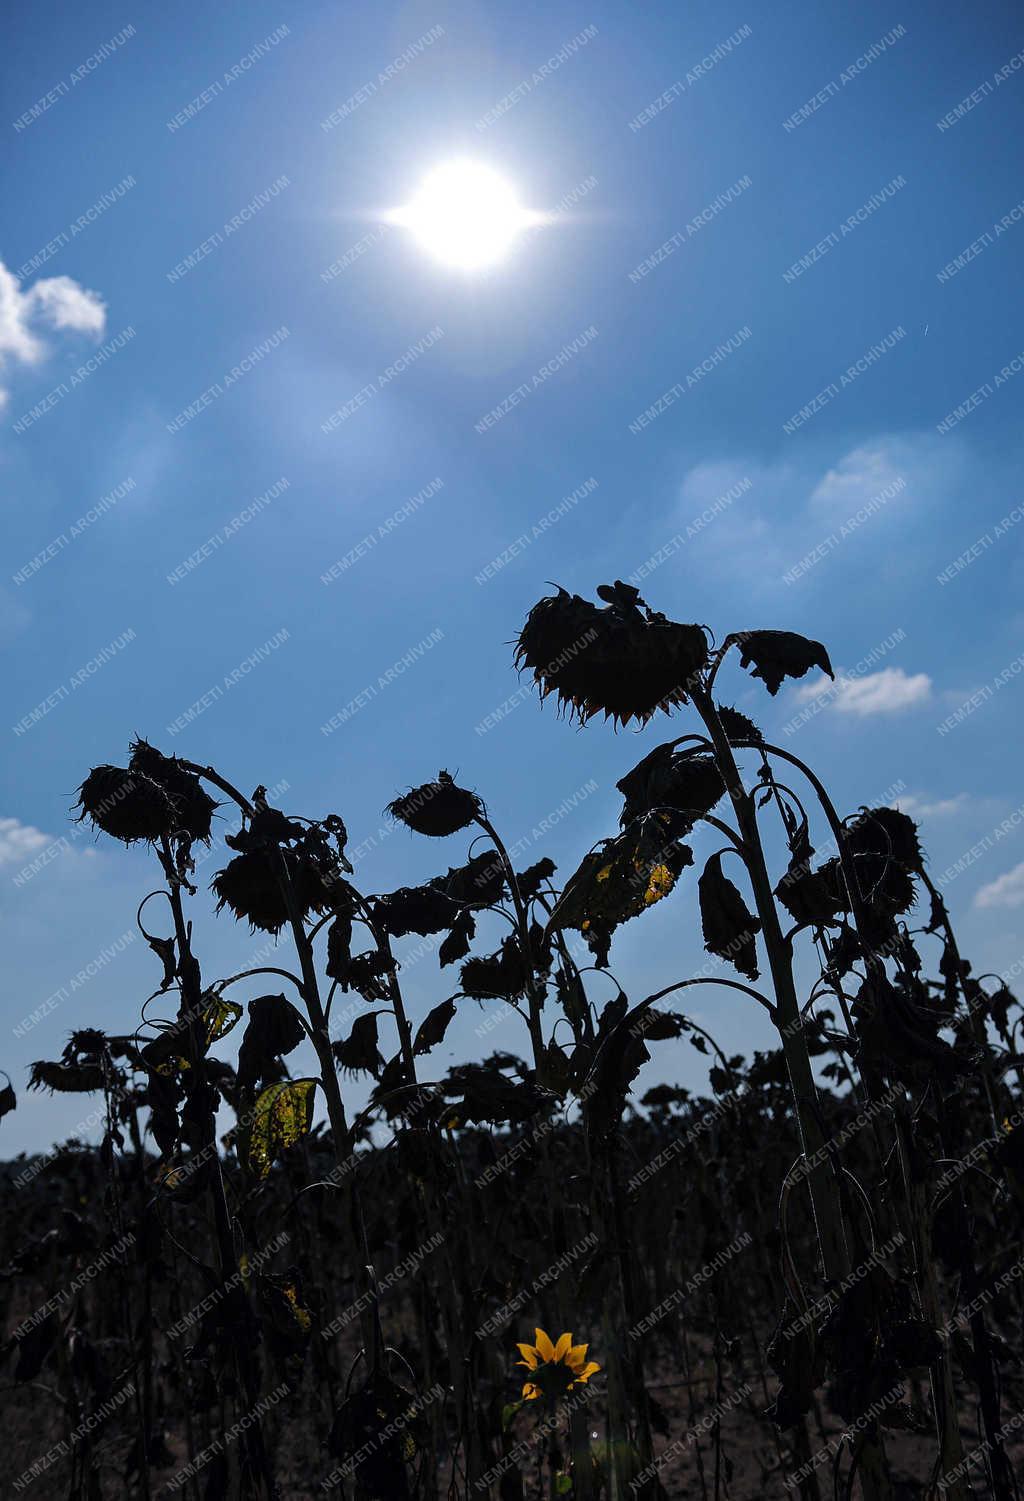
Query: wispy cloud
[(882, 692), (800, 510), (56, 302), (857, 477), (874, 468), (1005, 891), (943, 807)]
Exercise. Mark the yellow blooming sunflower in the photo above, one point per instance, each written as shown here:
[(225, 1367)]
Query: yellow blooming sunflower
[(554, 1367)]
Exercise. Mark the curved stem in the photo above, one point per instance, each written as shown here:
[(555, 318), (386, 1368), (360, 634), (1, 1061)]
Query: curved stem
[(343, 1143), (835, 823), (825, 1195), (535, 995), (262, 970), (698, 816), (719, 658), (977, 1024), (382, 940), (714, 980), (219, 781)]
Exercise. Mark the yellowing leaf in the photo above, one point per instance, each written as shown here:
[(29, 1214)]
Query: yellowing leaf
[(283, 1115), (300, 1314), (220, 1016), (619, 881), (660, 881)]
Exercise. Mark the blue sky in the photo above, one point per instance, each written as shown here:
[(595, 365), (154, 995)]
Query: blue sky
[(766, 356)]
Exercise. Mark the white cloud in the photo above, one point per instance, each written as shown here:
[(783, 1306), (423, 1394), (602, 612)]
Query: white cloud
[(893, 470), (1004, 891), (861, 476), (882, 692), (943, 807), (872, 693), (819, 687), (20, 841), (65, 304), (55, 302)]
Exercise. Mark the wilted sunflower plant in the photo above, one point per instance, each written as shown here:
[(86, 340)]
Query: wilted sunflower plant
[(504, 1196), (291, 876), (627, 662)]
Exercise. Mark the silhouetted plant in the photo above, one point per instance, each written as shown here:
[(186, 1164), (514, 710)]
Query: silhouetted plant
[(845, 1187)]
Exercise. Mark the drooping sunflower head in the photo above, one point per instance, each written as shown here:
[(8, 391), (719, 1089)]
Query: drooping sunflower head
[(886, 831), (437, 808), (154, 796), (554, 1368), (124, 804), (623, 660), (249, 885), (193, 805), (887, 856), (684, 784)]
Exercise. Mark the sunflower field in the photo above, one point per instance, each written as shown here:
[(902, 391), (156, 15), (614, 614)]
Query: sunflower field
[(522, 1277)]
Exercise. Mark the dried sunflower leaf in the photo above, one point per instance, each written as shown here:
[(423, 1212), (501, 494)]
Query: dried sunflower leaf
[(618, 881), (274, 1029), (813, 897), (165, 952), (433, 1027), (359, 1051), (339, 943), (781, 654), (456, 945), (729, 927), (368, 974)]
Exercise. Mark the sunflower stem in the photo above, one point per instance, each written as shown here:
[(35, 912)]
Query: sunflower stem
[(826, 1202), (534, 990), (913, 1215), (244, 1337), (344, 1146)]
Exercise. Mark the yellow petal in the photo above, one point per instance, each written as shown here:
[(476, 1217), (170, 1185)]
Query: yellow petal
[(531, 1392), (577, 1355), (545, 1349), (588, 1370), (563, 1346), (529, 1355)]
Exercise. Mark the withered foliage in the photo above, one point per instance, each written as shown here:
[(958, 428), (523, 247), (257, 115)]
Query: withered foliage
[(304, 1252)]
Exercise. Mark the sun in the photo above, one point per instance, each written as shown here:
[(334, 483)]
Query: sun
[(465, 215)]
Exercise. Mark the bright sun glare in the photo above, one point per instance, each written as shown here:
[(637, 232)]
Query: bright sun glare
[(466, 215)]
